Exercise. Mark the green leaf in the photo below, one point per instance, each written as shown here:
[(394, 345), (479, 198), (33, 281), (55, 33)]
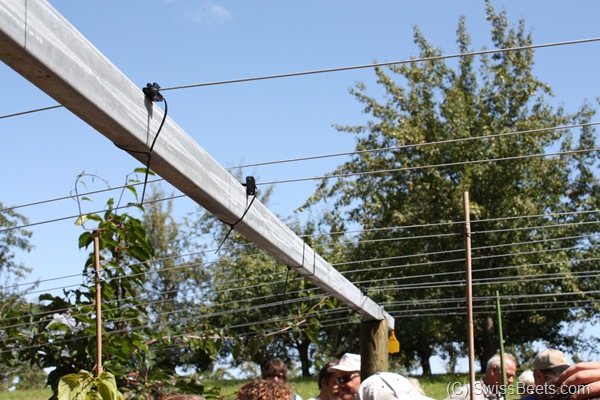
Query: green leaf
[(81, 220), (95, 217), (75, 386), (142, 171), (68, 387), (93, 396), (109, 378), (47, 296), (107, 387), (132, 190), (85, 239), (313, 335), (121, 354)]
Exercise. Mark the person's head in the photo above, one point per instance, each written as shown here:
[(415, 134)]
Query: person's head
[(328, 385), (274, 368), (347, 375), (526, 383), (493, 370), (547, 365), (388, 386), (265, 389)]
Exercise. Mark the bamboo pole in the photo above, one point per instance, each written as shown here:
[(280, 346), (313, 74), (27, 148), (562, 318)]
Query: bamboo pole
[(469, 280), (98, 306), (499, 315)]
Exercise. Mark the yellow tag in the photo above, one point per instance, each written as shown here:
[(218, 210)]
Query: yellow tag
[(393, 344)]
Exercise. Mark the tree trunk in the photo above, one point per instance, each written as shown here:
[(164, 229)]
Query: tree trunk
[(303, 355), (489, 345), (424, 357)]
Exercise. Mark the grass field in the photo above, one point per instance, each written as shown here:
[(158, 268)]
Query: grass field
[(435, 386), (26, 395)]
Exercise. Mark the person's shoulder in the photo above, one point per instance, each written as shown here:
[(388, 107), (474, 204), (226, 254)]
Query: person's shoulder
[(529, 397), (297, 397)]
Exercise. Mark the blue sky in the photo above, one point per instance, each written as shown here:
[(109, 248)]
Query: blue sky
[(184, 42)]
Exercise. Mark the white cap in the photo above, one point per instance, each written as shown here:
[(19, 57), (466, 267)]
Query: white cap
[(348, 363), (388, 386)]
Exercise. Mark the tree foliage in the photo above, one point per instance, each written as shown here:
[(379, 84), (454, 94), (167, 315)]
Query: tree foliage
[(12, 239), (445, 128), (249, 293), (60, 332), (13, 303), (176, 287)]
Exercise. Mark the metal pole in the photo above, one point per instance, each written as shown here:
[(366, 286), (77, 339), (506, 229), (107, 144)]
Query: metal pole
[(98, 305), (470, 325), (499, 315)]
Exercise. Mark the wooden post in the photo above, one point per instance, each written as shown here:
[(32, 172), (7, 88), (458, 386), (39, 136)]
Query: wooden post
[(373, 347), (470, 327), (501, 338), (98, 305)]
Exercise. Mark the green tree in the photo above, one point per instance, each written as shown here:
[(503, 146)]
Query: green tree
[(13, 302), (176, 287), (12, 238), (407, 196), (247, 290), (14, 372)]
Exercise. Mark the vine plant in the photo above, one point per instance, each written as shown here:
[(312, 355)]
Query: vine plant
[(69, 338), (60, 333)]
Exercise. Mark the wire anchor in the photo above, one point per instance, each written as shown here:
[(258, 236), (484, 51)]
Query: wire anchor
[(152, 92)]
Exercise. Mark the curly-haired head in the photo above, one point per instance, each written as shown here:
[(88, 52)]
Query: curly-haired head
[(265, 389), (274, 368)]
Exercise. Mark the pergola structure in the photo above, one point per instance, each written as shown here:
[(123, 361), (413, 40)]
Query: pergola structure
[(42, 46)]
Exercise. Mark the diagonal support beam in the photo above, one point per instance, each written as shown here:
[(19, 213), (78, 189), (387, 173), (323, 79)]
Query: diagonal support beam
[(42, 46)]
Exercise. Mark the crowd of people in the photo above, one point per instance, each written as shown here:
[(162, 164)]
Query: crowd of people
[(337, 380), (552, 378)]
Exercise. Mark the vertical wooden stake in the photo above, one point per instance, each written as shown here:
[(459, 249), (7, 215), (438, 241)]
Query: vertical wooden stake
[(98, 305), (467, 211), (499, 314)]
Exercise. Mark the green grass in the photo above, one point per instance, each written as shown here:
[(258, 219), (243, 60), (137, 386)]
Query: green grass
[(435, 386), (26, 395)]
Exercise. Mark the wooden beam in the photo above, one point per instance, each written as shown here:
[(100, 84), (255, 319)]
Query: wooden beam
[(41, 45)]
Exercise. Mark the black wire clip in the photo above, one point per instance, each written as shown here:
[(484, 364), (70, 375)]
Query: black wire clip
[(152, 92), (250, 186)]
